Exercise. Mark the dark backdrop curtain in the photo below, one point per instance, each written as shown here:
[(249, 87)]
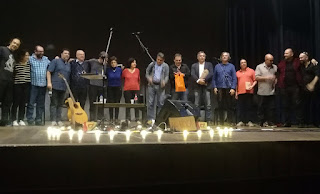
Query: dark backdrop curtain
[(270, 26)]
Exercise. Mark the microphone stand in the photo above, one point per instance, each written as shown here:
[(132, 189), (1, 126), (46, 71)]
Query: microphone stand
[(146, 50), (104, 77)]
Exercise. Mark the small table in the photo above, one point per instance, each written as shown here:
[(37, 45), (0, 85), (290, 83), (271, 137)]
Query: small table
[(141, 106)]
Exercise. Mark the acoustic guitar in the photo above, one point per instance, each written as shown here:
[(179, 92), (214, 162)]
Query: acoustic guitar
[(75, 113)]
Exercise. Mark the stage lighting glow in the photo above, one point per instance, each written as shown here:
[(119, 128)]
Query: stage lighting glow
[(71, 132), (211, 133), (112, 134), (220, 131), (128, 133), (208, 128), (80, 135), (185, 134), (69, 127), (226, 132), (143, 134), (58, 133), (139, 127), (199, 133), (159, 134), (97, 134)]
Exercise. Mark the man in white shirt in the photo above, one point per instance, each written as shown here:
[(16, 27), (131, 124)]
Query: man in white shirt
[(202, 88)]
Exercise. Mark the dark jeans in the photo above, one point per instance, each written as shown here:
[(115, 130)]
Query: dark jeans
[(179, 95), (37, 95), (245, 104), (266, 108), (202, 93), (291, 102), (20, 98), (94, 94), (225, 103), (6, 92), (128, 95), (114, 96), (80, 95), (310, 107), (57, 100)]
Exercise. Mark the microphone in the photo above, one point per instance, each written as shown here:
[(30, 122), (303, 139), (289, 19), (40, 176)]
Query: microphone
[(136, 33), (111, 29)]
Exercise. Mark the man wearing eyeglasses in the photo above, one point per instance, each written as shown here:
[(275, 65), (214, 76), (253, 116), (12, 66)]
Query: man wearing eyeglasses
[(310, 89), (38, 73)]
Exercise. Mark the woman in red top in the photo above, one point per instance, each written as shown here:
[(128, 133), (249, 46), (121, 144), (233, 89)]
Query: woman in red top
[(131, 76), (244, 94)]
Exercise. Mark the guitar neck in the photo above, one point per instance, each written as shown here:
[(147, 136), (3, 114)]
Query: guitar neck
[(68, 87)]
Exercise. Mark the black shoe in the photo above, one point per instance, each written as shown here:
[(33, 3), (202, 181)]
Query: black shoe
[(30, 122), (301, 125), (286, 125), (38, 123)]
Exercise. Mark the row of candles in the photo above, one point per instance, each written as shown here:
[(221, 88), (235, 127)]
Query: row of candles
[(54, 133)]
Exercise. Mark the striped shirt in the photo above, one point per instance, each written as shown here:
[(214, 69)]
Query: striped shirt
[(22, 73), (39, 70)]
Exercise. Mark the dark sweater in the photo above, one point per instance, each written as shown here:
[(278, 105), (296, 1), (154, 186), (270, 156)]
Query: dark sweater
[(6, 64)]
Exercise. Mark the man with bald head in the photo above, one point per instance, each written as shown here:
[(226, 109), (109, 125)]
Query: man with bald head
[(266, 77), (79, 84), (289, 83), (6, 78), (310, 90)]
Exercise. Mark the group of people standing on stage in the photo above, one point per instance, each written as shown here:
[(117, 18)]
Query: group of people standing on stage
[(25, 80)]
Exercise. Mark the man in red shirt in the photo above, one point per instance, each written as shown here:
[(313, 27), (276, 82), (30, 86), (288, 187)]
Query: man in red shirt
[(244, 93), (289, 83)]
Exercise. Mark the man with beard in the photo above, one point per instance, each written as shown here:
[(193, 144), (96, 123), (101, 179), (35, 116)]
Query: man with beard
[(290, 82), (57, 85), (97, 87), (181, 69), (310, 89), (6, 78), (39, 64)]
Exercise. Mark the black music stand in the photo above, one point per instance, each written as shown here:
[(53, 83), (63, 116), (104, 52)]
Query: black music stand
[(93, 76)]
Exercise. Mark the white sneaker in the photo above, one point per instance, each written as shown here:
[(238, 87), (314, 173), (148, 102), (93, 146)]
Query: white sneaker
[(15, 123), (250, 124), (240, 124), (22, 123), (60, 124), (139, 123), (53, 123)]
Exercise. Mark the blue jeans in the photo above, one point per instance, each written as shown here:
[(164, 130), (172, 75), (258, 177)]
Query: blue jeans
[(155, 91), (57, 100), (180, 95), (37, 95), (202, 93)]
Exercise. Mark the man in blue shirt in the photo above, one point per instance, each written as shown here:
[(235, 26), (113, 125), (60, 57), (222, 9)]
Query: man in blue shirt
[(57, 85), (157, 74), (79, 84), (39, 64), (224, 84)]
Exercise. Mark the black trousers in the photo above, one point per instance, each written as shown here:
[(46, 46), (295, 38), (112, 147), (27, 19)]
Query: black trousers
[(266, 108), (225, 103), (94, 94), (310, 106), (21, 94), (6, 93), (291, 102), (128, 95), (56, 102), (114, 96), (80, 95), (245, 104)]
